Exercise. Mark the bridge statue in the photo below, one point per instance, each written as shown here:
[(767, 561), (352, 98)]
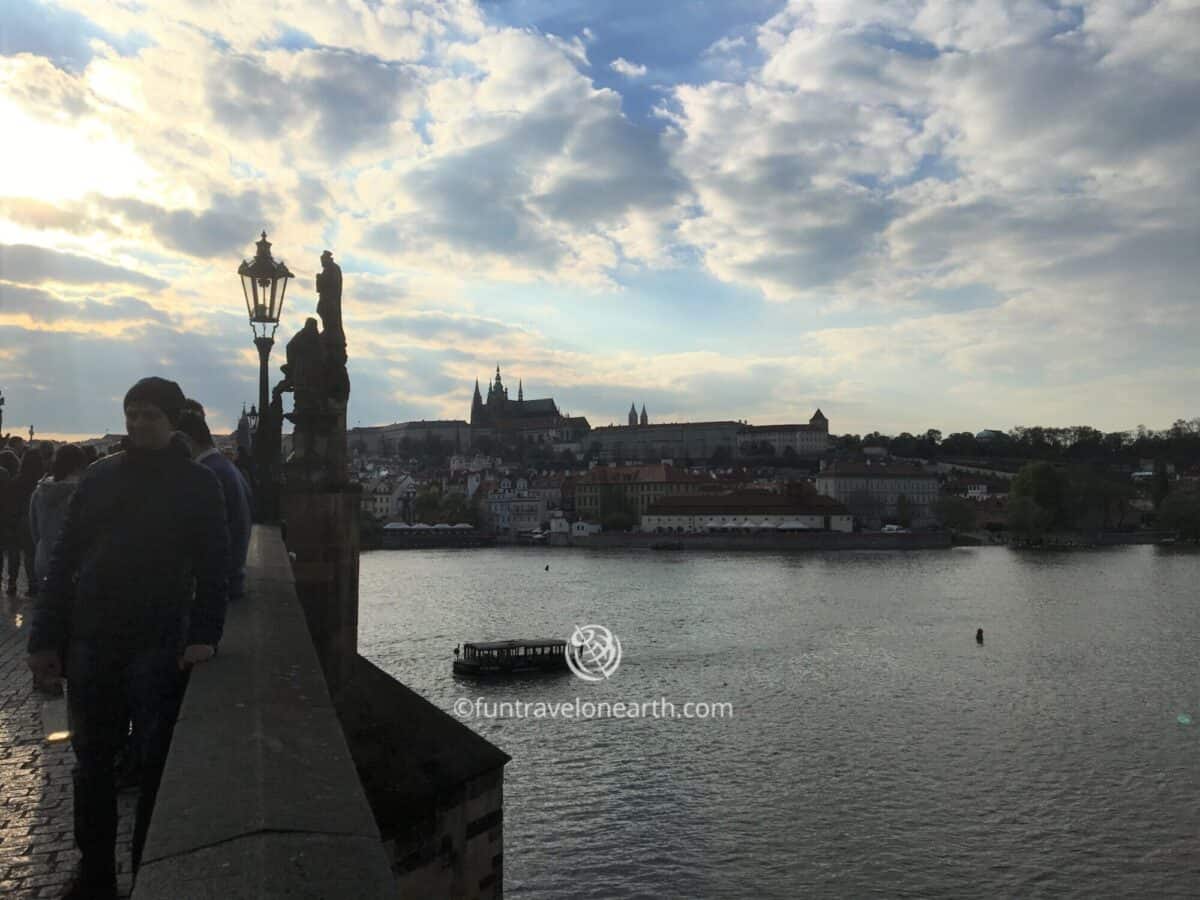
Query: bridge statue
[(315, 374)]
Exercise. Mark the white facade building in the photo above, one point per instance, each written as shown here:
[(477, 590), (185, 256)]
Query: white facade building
[(872, 492), (512, 508)]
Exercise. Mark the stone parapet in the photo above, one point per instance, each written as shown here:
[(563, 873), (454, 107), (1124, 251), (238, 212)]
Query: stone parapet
[(260, 797)]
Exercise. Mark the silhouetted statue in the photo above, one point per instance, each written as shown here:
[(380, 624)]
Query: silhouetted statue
[(305, 368), (316, 375), (329, 307)]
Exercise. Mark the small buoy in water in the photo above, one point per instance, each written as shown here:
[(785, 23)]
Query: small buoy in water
[(547, 568), (979, 636)]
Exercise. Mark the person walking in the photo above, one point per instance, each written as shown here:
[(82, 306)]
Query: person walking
[(135, 595), (193, 428), (48, 505), (33, 467), (10, 531)]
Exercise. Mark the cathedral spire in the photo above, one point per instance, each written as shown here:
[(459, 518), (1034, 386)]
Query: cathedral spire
[(477, 406), (633, 418), (520, 391), (645, 420)]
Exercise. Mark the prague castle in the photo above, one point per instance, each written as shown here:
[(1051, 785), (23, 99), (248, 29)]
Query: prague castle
[(534, 421)]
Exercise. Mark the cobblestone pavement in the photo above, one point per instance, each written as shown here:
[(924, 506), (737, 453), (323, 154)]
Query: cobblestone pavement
[(37, 849)]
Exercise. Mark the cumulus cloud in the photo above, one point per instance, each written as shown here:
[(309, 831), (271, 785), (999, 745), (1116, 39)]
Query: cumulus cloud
[(334, 100), (41, 307), (1005, 192), (26, 264), (622, 66), (220, 230)]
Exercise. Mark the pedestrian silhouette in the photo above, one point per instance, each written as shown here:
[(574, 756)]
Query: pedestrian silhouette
[(979, 636), (118, 603)]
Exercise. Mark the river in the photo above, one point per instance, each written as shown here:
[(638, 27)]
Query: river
[(873, 748)]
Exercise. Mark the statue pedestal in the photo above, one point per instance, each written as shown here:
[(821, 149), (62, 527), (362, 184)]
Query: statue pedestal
[(318, 458), (322, 532)]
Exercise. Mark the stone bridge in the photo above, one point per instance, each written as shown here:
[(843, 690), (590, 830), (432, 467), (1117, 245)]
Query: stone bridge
[(275, 785)]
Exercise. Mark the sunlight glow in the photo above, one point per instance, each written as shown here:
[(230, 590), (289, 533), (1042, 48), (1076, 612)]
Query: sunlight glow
[(54, 163)]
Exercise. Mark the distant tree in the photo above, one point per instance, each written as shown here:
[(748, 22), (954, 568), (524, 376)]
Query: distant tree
[(1180, 511), (427, 503), (722, 456), (962, 444), (1159, 486), (620, 520), (1094, 499), (1027, 519), (1046, 486), (904, 444), (370, 531), (455, 508), (955, 513)]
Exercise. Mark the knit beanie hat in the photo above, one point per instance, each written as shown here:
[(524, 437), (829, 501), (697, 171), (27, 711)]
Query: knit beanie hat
[(166, 395)]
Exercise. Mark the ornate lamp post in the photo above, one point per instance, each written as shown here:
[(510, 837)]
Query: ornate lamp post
[(264, 282)]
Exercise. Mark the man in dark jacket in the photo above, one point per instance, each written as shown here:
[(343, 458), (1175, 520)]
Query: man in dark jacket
[(142, 528)]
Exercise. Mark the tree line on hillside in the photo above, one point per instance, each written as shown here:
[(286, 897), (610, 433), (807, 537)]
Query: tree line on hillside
[(1045, 498), (1179, 444)]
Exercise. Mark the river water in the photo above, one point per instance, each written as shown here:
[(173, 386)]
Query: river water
[(874, 747)]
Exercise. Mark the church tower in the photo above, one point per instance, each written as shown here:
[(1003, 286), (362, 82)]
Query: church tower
[(497, 393), (819, 421), (520, 391), (477, 407), (632, 414), (645, 420)]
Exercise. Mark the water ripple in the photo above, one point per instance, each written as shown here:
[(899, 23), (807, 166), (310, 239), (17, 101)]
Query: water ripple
[(875, 749)]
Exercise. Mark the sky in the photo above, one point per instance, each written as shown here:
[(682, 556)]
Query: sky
[(959, 215)]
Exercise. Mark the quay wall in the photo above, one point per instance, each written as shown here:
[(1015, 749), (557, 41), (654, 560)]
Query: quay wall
[(817, 540)]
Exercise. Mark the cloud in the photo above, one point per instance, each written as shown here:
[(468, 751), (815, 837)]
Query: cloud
[(879, 149), (63, 36), (530, 170), (220, 230), (43, 216), (624, 67), (26, 264), (342, 99), (43, 307)]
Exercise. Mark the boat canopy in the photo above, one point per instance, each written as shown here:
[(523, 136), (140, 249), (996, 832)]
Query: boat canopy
[(486, 646)]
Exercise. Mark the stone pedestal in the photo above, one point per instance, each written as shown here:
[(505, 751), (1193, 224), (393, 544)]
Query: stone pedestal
[(322, 532)]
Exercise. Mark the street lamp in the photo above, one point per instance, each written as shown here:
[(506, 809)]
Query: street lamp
[(264, 282)]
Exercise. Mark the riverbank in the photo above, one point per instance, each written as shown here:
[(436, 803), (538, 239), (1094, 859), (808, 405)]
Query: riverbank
[(811, 540)]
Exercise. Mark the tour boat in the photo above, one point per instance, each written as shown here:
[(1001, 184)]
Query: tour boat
[(516, 657)]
